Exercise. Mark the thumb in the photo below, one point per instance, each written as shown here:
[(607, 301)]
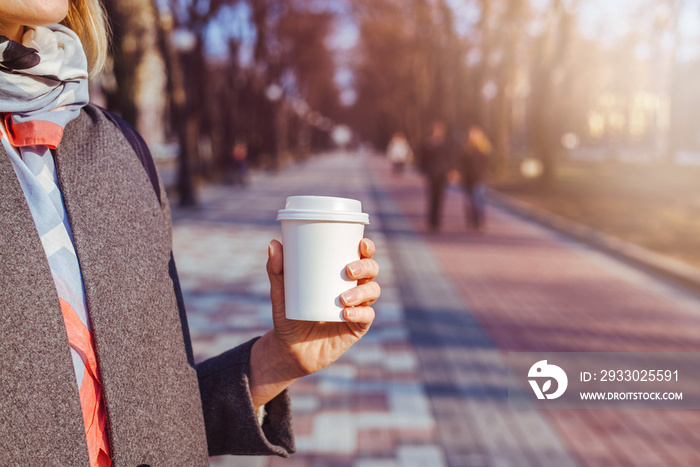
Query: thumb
[(275, 272)]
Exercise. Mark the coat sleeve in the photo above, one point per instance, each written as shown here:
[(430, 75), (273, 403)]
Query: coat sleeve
[(230, 419)]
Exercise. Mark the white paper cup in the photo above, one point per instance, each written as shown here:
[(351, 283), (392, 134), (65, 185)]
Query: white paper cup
[(321, 236)]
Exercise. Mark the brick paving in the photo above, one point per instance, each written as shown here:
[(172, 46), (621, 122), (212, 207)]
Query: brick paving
[(427, 385), (369, 408)]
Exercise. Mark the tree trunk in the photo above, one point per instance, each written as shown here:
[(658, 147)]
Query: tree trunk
[(138, 97), (177, 101)]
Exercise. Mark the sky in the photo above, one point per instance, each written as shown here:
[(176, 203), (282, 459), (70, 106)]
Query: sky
[(232, 22), (344, 40)]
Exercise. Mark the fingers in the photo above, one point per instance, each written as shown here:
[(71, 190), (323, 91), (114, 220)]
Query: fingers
[(367, 248), (365, 294), (274, 258), (358, 299), (359, 314), (275, 270), (362, 269)]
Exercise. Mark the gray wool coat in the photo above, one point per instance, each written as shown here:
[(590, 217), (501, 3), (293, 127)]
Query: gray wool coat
[(163, 409)]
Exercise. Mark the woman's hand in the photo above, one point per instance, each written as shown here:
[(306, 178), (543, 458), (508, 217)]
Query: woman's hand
[(298, 348)]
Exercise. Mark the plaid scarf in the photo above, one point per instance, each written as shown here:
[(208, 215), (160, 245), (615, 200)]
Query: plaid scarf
[(43, 84)]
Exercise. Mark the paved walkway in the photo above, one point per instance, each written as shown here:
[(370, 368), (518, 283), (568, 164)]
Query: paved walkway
[(426, 387)]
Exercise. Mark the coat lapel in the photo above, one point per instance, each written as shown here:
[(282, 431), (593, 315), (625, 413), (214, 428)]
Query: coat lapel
[(40, 415), (123, 246)]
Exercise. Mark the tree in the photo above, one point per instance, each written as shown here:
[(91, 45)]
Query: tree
[(136, 58), (407, 72), (512, 23), (550, 50)]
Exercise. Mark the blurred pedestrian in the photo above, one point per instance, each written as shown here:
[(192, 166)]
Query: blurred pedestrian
[(240, 163), (97, 364), (474, 161), (399, 152), (437, 159)]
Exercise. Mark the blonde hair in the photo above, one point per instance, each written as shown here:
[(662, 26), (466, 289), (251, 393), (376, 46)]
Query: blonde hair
[(478, 139), (87, 19)]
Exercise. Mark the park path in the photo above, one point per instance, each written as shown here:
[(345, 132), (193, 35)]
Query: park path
[(427, 386)]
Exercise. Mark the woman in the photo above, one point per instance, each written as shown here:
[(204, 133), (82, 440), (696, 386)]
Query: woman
[(399, 152), (97, 364), (474, 161)]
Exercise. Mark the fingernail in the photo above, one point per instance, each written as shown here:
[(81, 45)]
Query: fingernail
[(269, 249), (350, 313), (366, 244), (355, 269), (349, 297)]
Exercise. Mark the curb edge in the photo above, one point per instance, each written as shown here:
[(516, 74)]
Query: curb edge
[(669, 268)]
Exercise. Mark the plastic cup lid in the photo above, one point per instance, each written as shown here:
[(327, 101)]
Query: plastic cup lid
[(323, 208)]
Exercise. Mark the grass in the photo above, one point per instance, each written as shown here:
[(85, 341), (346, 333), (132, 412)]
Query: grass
[(657, 207)]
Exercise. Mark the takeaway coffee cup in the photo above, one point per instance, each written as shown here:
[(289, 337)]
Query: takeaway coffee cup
[(321, 236)]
